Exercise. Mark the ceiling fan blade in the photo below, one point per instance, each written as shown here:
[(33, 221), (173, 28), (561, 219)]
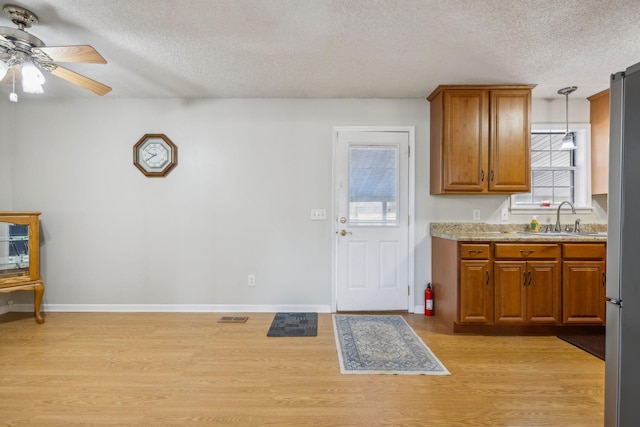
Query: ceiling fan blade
[(80, 80), (81, 53)]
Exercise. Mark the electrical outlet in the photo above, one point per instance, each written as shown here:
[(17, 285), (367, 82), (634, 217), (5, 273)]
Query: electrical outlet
[(504, 214), (251, 280), (476, 214)]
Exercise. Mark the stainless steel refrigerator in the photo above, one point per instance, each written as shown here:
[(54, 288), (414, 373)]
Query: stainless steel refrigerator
[(622, 366)]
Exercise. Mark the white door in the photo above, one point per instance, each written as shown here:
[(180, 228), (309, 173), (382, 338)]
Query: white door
[(372, 220)]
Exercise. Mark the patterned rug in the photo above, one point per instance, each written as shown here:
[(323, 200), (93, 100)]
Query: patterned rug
[(382, 344), (294, 325)]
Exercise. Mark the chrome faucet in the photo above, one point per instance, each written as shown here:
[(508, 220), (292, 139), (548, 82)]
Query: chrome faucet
[(573, 211)]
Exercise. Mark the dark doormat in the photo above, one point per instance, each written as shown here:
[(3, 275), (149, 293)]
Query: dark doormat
[(593, 344), (294, 325)]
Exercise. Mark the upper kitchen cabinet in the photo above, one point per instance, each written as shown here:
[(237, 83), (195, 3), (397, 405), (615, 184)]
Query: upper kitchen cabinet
[(480, 139), (599, 107)]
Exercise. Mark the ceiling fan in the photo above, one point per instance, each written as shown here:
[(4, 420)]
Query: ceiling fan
[(23, 56)]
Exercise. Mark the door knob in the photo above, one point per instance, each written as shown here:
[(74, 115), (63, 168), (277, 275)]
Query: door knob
[(343, 232)]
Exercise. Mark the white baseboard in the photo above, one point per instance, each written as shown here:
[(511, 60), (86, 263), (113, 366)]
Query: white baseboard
[(172, 308)]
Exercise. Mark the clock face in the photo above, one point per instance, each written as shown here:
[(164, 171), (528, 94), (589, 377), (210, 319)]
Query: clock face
[(155, 155)]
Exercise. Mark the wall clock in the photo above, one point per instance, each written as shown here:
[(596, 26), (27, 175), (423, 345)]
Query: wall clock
[(155, 155)]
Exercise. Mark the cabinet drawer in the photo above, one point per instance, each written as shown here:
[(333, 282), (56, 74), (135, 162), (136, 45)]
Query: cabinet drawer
[(584, 251), (527, 251), (474, 250)]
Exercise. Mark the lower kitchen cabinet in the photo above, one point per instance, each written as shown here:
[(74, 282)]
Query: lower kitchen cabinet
[(518, 287), (476, 287), (527, 292), (584, 283), (527, 284)]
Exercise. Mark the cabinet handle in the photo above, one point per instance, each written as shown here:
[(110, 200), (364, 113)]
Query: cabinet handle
[(491, 175), (526, 252), (529, 281), (604, 278), (524, 279), (486, 275), (475, 251), (482, 175)]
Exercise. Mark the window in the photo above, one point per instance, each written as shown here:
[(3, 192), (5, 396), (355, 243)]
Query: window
[(373, 185), (557, 175), (552, 171)]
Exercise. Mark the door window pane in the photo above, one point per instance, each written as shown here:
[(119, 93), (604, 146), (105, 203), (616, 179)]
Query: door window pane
[(373, 185)]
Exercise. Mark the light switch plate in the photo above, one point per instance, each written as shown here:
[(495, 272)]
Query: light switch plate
[(504, 214), (318, 214), (476, 214)]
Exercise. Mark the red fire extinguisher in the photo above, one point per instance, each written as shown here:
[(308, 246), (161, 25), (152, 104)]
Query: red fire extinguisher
[(428, 300)]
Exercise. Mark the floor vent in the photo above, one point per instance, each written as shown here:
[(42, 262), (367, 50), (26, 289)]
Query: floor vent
[(233, 319)]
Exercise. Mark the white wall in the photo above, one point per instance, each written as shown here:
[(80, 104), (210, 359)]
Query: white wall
[(6, 154), (6, 174), (238, 203)]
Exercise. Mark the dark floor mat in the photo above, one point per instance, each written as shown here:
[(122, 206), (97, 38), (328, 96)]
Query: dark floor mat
[(593, 344), (294, 325)]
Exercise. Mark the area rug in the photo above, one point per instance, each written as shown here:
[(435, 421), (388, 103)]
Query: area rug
[(382, 344), (294, 325), (593, 344)]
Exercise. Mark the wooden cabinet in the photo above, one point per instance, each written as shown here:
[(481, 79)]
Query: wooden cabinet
[(476, 286), (480, 139), (583, 283), (518, 287), (527, 283), (599, 117), (20, 255)]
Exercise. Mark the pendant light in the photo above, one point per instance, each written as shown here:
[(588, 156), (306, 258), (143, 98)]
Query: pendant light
[(567, 140)]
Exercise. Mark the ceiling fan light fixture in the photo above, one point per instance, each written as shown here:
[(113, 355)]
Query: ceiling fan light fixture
[(31, 57), (3, 69), (32, 78)]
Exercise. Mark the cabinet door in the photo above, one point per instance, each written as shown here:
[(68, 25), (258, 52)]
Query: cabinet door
[(510, 141), (599, 104), (510, 291), (465, 140), (476, 292), (543, 292), (583, 292)]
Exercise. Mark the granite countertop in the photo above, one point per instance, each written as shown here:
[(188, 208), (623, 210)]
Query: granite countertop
[(513, 232)]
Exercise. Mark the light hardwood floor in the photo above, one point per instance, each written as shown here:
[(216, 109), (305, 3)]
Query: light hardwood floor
[(170, 369)]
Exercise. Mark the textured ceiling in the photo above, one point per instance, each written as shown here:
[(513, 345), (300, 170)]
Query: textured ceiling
[(338, 48)]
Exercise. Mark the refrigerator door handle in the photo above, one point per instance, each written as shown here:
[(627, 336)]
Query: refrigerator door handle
[(613, 301)]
